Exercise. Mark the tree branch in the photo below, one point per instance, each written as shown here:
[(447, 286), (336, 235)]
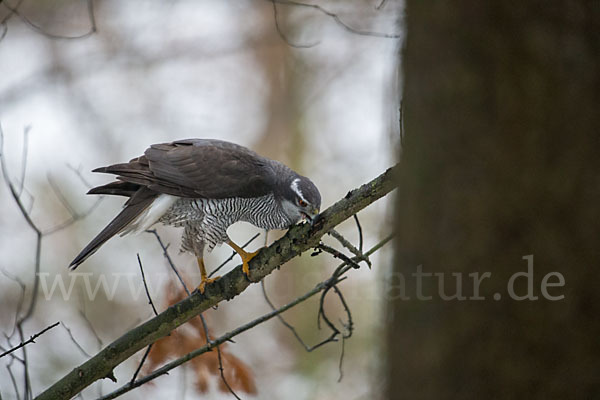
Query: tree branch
[(297, 240), (332, 281)]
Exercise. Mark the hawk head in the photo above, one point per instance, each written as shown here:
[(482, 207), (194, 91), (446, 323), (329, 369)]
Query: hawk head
[(301, 199)]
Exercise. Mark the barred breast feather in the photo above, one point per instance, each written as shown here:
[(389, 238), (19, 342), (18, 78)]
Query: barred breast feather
[(206, 220)]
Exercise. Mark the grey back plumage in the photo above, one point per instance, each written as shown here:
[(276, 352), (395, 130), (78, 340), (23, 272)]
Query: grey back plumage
[(199, 168)]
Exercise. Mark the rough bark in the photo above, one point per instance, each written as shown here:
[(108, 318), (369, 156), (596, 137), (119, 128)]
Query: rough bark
[(500, 162)]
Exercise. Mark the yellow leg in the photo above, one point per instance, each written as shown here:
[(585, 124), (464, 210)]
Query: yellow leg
[(246, 257), (205, 280)]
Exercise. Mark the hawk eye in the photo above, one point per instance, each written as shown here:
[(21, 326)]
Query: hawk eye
[(302, 203)]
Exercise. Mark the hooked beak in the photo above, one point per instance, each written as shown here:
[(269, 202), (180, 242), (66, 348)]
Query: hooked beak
[(312, 216)]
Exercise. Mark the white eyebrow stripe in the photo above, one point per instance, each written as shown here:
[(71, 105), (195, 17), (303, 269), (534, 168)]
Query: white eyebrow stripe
[(297, 190)]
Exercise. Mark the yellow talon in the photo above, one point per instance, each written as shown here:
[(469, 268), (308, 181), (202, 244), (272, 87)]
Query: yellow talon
[(246, 256), (205, 280)]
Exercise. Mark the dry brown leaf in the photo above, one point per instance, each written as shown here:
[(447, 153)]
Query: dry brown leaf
[(190, 337)]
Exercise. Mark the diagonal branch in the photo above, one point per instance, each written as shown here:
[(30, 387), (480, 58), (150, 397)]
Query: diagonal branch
[(297, 240), (333, 280)]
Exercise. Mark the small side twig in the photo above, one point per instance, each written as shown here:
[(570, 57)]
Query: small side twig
[(75, 342), (137, 371), (338, 20), (146, 285), (344, 242), (14, 381), (338, 254), (283, 321), (168, 258), (380, 5), (24, 158), (74, 215), (341, 362), (360, 233), (21, 298), (221, 370), (30, 340), (91, 328), (79, 174), (139, 368), (284, 36), (40, 30)]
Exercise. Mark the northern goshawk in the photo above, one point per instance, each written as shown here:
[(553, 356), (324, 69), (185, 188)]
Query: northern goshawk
[(204, 186)]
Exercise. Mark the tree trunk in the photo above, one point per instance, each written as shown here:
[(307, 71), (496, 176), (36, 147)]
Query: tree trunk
[(499, 175)]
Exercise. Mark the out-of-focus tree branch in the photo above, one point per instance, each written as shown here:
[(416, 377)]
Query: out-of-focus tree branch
[(338, 20), (30, 340), (297, 240)]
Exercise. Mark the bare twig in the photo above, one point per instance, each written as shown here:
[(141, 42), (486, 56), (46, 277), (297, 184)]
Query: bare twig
[(137, 371), (75, 216), (31, 224), (75, 342), (221, 370), (19, 324), (350, 325), (146, 285), (336, 277), (282, 320), (360, 233), (65, 224), (168, 258), (15, 10), (91, 328), (139, 368), (401, 123), (341, 363), (24, 158), (284, 36), (7, 17), (26, 380), (344, 267), (77, 172), (59, 195), (380, 5), (4, 30), (338, 20), (21, 298), (13, 357), (30, 340), (14, 382), (344, 242), (338, 254)]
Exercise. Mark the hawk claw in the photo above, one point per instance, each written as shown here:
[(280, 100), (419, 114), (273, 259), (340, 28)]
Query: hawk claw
[(206, 281), (246, 257)]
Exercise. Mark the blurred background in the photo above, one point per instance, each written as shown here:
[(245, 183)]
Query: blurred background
[(292, 83)]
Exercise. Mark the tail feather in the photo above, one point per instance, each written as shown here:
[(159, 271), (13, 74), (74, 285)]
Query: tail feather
[(134, 207), (117, 188)]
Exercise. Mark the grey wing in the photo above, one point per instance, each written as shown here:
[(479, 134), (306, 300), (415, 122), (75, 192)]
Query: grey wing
[(199, 168)]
